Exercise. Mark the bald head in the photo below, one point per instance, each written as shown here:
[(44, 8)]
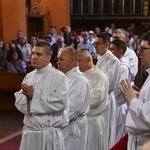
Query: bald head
[(85, 60)]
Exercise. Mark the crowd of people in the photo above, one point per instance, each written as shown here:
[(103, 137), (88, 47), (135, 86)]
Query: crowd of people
[(71, 102)]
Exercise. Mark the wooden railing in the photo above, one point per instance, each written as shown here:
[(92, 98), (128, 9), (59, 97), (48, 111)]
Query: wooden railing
[(10, 82)]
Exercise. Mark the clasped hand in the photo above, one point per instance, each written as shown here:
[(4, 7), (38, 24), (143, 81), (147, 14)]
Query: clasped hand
[(128, 91), (27, 90)]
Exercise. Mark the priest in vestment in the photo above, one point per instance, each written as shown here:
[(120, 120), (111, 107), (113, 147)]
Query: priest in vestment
[(75, 134), (110, 65), (138, 117), (99, 101), (43, 99)]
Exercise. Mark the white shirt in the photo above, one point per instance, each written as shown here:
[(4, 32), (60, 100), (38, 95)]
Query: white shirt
[(109, 64), (45, 113), (133, 62), (120, 101), (138, 117), (79, 103), (26, 51), (99, 103)]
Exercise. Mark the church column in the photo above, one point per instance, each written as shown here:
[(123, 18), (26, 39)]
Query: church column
[(13, 15)]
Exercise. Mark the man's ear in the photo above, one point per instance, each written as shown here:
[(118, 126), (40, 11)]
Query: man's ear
[(49, 57), (88, 59)]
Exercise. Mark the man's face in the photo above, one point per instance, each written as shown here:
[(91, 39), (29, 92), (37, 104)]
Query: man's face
[(114, 50), (51, 31), (144, 53), (60, 43), (39, 58), (85, 36), (19, 34), (82, 62), (64, 61), (33, 40), (100, 46)]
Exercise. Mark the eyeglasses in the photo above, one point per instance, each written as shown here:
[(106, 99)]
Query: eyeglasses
[(97, 43), (144, 48), (115, 37), (59, 42)]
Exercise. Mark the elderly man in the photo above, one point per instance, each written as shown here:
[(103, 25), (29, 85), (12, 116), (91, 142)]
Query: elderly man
[(138, 118), (99, 101), (75, 134), (122, 34), (109, 64)]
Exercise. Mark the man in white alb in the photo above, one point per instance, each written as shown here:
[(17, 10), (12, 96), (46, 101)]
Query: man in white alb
[(99, 101), (138, 118), (75, 134), (43, 99), (109, 64)]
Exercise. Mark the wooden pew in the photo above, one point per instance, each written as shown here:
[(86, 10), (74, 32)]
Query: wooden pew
[(9, 83)]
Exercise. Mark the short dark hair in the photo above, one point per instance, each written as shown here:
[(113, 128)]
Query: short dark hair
[(121, 45), (105, 36), (46, 46), (146, 37), (48, 37), (70, 50)]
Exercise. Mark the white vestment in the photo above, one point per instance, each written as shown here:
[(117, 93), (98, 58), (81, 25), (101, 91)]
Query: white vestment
[(75, 134), (45, 112), (99, 103), (109, 64), (133, 62), (120, 101), (138, 118)]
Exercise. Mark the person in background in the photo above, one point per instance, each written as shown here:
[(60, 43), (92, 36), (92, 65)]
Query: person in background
[(91, 36), (26, 50), (75, 134), (97, 30), (122, 34), (3, 55), (65, 34), (68, 29), (43, 99), (138, 118), (52, 34), (57, 47), (48, 39), (87, 44), (19, 36), (13, 47), (16, 64), (33, 41), (73, 40), (99, 101), (118, 48)]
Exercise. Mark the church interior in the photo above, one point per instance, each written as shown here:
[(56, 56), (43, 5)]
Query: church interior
[(36, 16)]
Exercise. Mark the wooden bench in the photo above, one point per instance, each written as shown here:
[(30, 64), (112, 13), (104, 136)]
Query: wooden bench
[(9, 83)]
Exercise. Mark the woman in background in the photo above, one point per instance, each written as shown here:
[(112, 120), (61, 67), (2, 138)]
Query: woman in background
[(16, 64)]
